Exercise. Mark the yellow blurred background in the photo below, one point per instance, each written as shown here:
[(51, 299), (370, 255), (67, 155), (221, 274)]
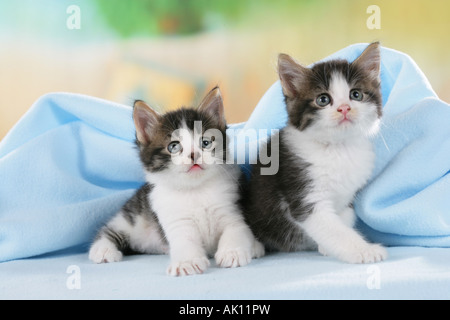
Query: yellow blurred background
[(170, 52)]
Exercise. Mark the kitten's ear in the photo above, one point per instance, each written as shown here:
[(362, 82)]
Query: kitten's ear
[(145, 119), (212, 105), (291, 74), (370, 59)]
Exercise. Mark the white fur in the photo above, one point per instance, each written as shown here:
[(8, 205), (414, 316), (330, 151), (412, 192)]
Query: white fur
[(145, 237), (103, 250), (203, 221), (341, 161)]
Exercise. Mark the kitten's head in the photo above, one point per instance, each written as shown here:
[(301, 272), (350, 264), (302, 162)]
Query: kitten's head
[(334, 99), (185, 146)]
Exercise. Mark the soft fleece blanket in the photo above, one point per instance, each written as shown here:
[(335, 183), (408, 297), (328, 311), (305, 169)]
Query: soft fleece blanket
[(409, 273), (70, 163)]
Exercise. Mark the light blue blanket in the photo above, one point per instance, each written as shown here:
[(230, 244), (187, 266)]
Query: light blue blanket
[(70, 163), (409, 273)]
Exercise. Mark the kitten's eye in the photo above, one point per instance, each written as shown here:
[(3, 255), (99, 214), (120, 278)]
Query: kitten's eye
[(356, 95), (206, 143), (174, 147), (323, 100)]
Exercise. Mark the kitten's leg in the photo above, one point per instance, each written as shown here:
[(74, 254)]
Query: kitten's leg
[(147, 236), (348, 217), (258, 248), (120, 235), (110, 241), (339, 240), (187, 255), (237, 246)]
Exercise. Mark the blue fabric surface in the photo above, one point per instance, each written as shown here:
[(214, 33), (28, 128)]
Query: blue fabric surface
[(409, 273), (70, 163), (66, 166)]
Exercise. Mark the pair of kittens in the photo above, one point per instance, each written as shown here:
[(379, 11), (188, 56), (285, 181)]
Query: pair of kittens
[(195, 205)]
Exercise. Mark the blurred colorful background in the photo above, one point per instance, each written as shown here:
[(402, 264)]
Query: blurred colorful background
[(171, 52)]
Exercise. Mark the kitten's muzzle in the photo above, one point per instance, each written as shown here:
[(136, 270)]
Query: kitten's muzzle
[(195, 167), (344, 109)]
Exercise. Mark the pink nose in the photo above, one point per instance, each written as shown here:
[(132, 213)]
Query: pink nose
[(344, 109)]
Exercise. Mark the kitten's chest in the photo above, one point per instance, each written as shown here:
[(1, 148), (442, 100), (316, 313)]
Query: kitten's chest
[(204, 206), (205, 211), (340, 170)]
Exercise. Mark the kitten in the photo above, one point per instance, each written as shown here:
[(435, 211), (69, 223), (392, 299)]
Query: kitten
[(325, 157), (190, 205)]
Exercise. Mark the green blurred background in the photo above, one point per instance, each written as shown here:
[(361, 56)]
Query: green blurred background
[(170, 52)]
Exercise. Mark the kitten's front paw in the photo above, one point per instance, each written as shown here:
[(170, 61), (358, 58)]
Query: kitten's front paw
[(186, 268), (322, 251), (104, 251), (231, 258), (370, 253), (258, 249)]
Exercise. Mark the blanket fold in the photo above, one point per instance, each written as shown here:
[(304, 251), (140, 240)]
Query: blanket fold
[(70, 163), (65, 167)]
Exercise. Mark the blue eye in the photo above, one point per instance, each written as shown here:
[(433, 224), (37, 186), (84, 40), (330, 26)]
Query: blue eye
[(323, 100), (206, 143), (356, 95), (174, 147)]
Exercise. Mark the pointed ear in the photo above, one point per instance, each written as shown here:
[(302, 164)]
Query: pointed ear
[(370, 59), (212, 105), (291, 74), (145, 120)]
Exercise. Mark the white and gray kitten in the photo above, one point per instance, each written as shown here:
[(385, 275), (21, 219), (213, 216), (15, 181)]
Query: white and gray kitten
[(325, 157), (190, 205)]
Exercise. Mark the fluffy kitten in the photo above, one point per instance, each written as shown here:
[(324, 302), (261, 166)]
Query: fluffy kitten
[(190, 205), (325, 158)]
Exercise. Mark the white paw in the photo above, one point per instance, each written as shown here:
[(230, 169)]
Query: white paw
[(322, 251), (370, 253), (231, 258), (104, 250), (186, 268), (258, 249)]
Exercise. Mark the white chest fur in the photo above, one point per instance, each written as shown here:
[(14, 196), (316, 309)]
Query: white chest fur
[(338, 170), (207, 209)]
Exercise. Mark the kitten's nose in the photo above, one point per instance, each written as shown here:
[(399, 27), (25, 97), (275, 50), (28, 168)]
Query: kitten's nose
[(195, 156), (344, 109)]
